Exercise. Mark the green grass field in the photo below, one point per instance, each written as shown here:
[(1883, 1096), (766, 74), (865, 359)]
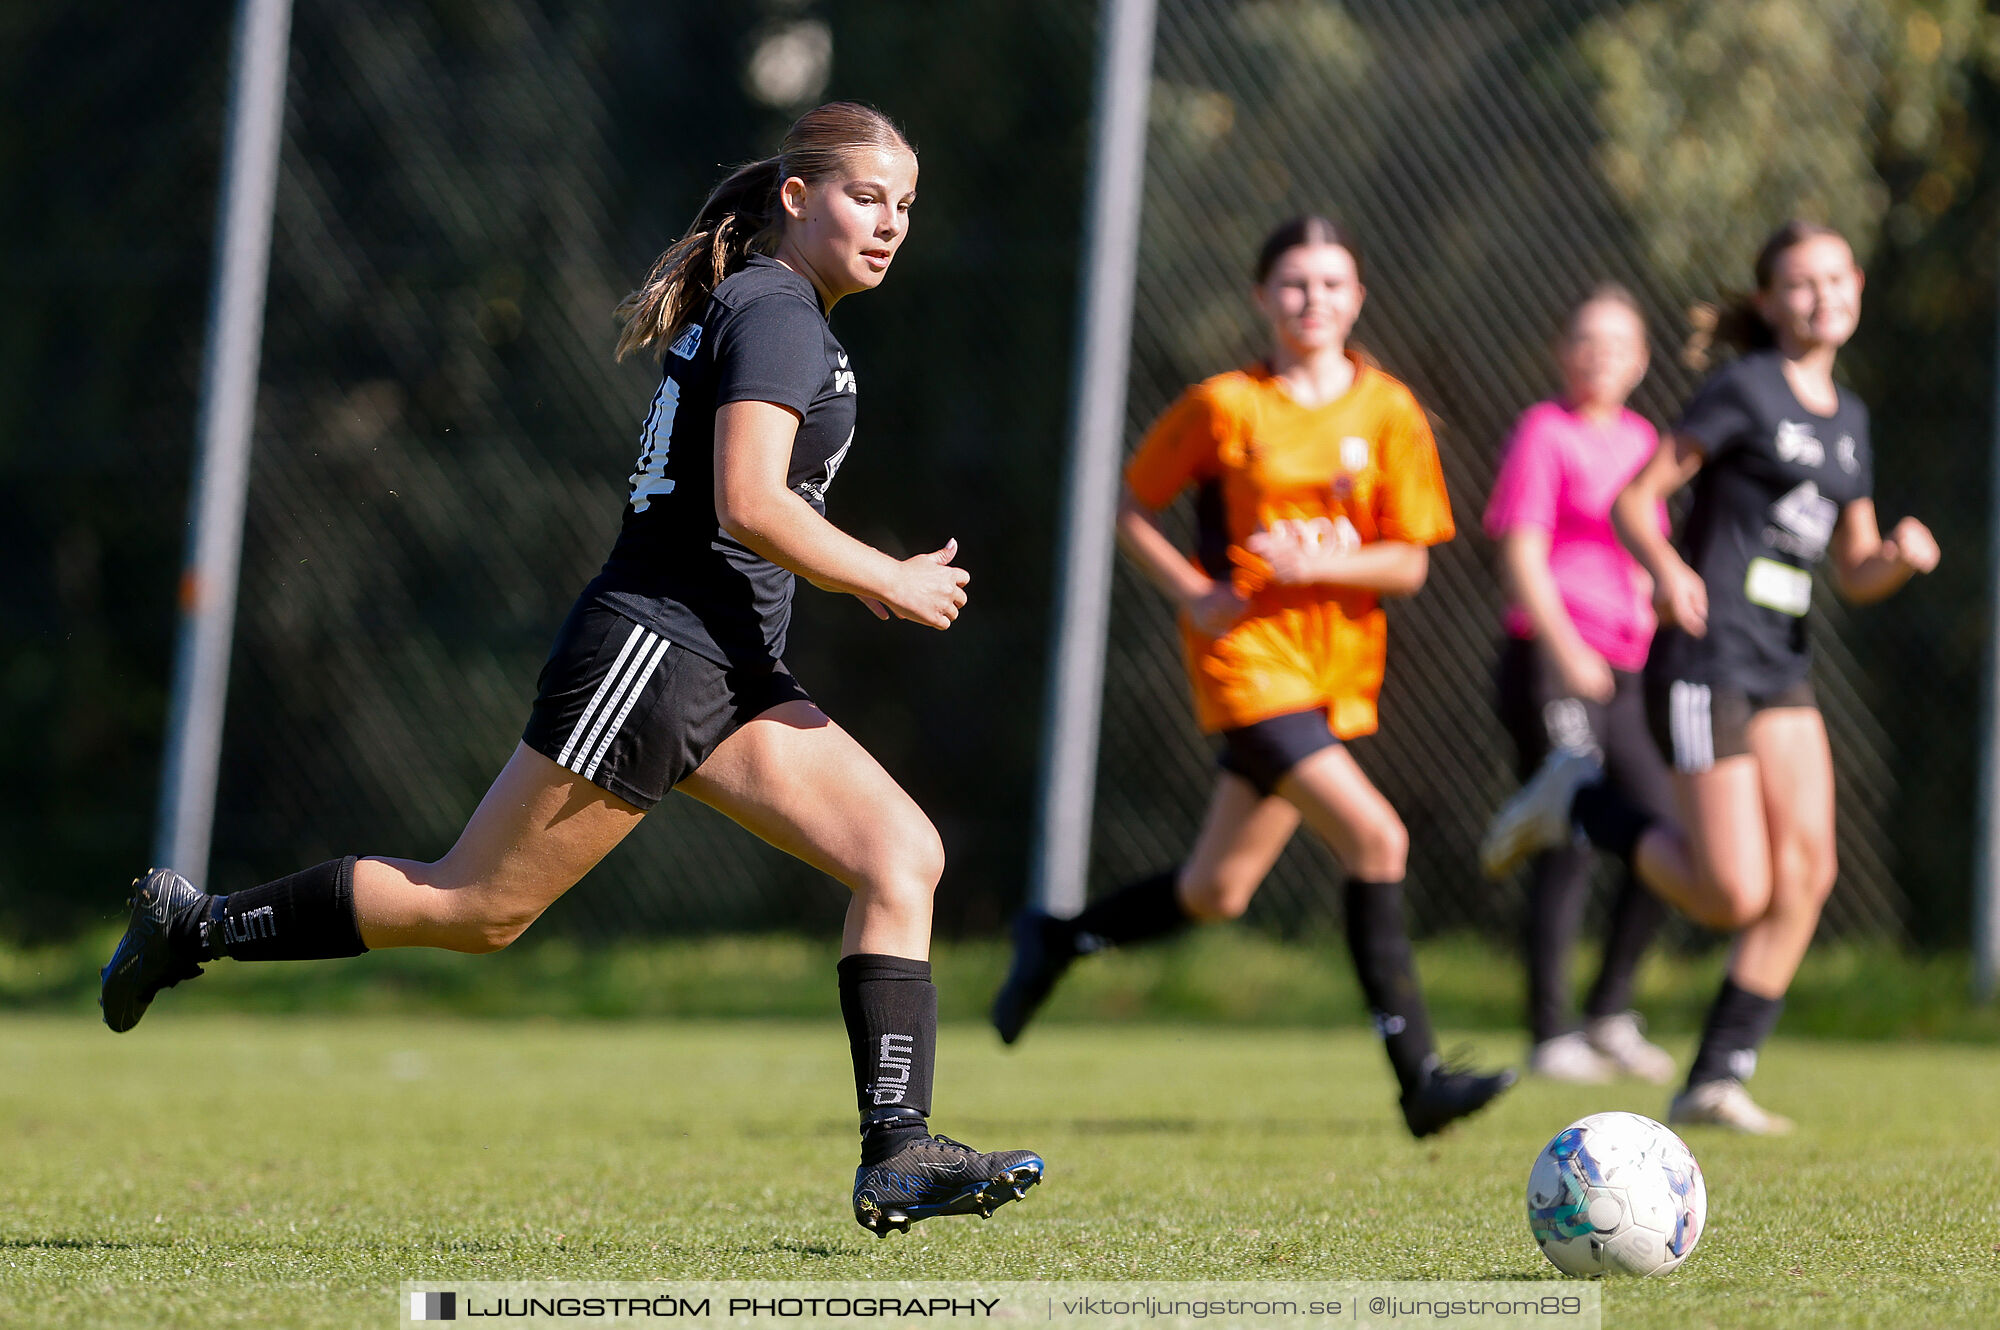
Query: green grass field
[(291, 1170)]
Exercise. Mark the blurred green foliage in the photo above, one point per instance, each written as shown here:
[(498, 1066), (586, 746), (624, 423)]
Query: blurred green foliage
[(1717, 113)]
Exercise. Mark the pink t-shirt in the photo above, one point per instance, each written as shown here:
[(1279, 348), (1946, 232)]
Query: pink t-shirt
[(1559, 475)]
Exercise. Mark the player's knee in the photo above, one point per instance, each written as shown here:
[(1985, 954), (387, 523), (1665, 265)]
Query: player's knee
[(904, 858), (1741, 897), (922, 853), (1806, 870), (1382, 851), (1739, 912), (1215, 897)]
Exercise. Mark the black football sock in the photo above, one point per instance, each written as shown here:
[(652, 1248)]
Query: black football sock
[(307, 916), (1738, 1024), (1557, 889), (890, 1007), (1381, 947), (190, 932), (1610, 820), (1636, 918), (1136, 912)]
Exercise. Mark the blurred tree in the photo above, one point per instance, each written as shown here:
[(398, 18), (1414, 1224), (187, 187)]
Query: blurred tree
[(1723, 116), (108, 163)]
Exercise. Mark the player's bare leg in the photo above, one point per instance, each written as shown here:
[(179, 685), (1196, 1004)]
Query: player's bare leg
[(1763, 831), (1343, 807), (803, 784), (1241, 836), (535, 834), (1722, 820), (1796, 766)]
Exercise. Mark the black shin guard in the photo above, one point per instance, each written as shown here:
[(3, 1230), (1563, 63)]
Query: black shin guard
[(1738, 1024), (1636, 919), (1137, 912), (1558, 889), (1388, 973), (890, 1007), (307, 916)]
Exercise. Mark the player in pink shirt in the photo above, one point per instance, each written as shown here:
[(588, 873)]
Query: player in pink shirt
[(1579, 622)]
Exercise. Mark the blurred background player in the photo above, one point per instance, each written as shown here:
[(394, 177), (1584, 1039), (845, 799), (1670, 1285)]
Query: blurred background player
[(669, 671), (1578, 623), (1783, 474), (1319, 492)]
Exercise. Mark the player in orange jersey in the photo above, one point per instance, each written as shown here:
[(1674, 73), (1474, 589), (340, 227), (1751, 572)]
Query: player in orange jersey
[(1318, 493)]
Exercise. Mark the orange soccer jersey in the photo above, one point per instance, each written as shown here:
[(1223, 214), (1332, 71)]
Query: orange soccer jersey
[(1358, 469)]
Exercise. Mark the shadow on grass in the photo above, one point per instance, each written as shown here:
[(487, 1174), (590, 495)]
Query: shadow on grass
[(76, 1244), (816, 1250)]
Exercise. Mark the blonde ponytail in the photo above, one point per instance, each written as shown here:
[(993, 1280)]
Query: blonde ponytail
[(738, 215)]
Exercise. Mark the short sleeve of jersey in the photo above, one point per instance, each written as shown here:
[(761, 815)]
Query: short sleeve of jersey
[(1864, 475), (1718, 416), (1182, 447), (1530, 481), (1412, 502), (772, 349)]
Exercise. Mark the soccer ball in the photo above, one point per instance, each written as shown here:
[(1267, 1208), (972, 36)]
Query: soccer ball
[(1616, 1194)]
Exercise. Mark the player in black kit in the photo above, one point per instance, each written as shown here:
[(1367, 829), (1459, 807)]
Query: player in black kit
[(1783, 474), (669, 671)]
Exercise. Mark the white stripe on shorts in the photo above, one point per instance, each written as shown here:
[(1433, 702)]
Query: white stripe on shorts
[(645, 673), (604, 689), (1705, 726), (621, 688), (1691, 724)]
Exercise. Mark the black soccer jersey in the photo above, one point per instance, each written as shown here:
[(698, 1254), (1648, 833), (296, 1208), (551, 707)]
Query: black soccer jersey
[(761, 337), (1774, 480)]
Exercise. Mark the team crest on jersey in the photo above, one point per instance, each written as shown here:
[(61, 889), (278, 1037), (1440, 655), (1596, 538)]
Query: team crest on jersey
[(1796, 442), (1802, 521), (688, 342), (1843, 452), (1354, 452)]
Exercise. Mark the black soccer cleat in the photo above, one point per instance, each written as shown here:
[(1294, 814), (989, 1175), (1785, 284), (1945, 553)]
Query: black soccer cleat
[(148, 959), (1044, 946), (935, 1175), (1449, 1092)]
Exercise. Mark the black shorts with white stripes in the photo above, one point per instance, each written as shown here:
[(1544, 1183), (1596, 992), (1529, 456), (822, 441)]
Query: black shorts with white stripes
[(634, 714), (1699, 724)]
